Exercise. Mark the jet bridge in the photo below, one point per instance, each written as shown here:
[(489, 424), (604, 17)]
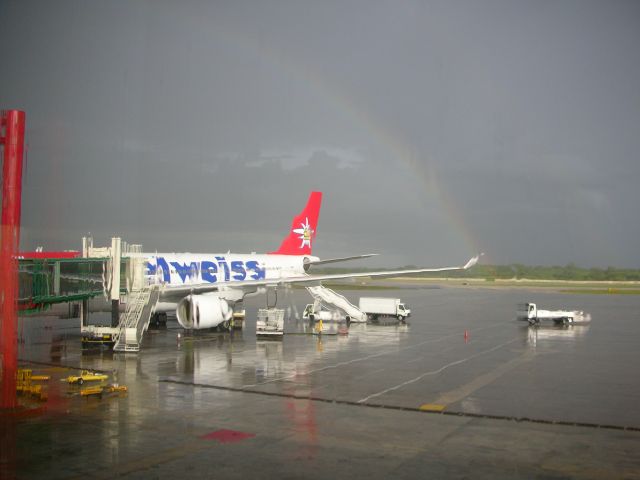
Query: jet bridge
[(48, 278), (57, 277), (123, 277)]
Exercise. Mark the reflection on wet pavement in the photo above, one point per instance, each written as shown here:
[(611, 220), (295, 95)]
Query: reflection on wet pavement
[(463, 353)]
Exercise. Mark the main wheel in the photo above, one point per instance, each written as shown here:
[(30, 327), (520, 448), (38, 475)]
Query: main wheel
[(80, 381), (225, 325)]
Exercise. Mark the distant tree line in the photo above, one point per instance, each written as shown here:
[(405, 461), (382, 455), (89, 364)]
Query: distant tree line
[(567, 272), (520, 271)]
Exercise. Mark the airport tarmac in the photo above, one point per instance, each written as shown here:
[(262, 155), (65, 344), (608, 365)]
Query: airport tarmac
[(515, 401)]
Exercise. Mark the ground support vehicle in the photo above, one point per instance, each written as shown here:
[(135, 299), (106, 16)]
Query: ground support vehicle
[(237, 319), (25, 385), (270, 322), (531, 313), (99, 391), (376, 307), (86, 376), (99, 335), (315, 312)]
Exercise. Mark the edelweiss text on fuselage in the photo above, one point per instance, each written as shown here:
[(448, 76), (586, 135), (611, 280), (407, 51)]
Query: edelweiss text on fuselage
[(216, 269)]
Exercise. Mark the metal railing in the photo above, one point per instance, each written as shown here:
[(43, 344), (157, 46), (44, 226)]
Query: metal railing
[(136, 318)]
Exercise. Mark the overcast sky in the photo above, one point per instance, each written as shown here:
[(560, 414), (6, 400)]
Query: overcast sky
[(434, 129)]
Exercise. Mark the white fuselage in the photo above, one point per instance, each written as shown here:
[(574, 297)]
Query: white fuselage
[(229, 270)]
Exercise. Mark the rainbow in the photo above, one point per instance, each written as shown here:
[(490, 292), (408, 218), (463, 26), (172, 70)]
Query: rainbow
[(402, 150)]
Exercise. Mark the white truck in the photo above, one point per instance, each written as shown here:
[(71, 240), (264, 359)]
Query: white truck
[(376, 307), (529, 312)]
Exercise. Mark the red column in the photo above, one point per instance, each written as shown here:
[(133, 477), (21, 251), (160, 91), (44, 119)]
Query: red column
[(13, 140)]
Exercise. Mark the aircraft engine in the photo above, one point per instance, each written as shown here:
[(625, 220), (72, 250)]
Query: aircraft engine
[(203, 311)]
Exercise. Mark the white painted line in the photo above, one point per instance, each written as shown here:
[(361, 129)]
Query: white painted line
[(435, 372), (361, 359)]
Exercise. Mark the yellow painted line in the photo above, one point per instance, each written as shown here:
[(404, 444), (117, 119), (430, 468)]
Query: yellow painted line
[(432, 407)]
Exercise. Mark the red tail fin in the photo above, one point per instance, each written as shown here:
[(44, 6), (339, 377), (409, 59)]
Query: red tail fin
[(303, 229)]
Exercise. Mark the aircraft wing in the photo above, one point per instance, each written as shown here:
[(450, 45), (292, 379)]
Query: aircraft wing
[(341, 259), (304, 279)]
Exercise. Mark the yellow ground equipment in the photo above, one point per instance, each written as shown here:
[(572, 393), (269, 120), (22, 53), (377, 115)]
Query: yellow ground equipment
[(115, 388), (86, 376), (100, 391), (24, 385), (87, 392)]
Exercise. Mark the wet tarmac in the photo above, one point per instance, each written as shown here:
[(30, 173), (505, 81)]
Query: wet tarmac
[(516, 402)]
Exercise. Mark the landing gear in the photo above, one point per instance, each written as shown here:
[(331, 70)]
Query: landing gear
[(158, 320)]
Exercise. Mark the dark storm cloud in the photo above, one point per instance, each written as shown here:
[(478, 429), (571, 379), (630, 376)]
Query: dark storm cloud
[(434, 128)]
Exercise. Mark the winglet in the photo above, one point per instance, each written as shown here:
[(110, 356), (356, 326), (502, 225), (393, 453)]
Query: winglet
[(472, 261)]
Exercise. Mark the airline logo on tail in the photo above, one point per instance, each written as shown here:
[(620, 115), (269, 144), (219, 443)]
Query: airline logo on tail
[(303, 229), (305, 233)]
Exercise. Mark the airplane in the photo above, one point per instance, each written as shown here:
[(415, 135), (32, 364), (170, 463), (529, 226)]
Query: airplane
[(202, 289)]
